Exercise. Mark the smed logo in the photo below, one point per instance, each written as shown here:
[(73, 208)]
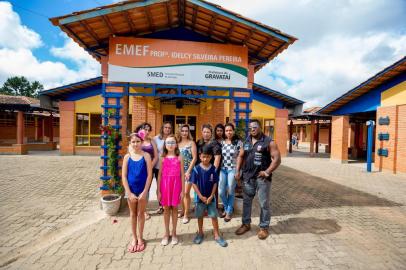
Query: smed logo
[(155, 74)]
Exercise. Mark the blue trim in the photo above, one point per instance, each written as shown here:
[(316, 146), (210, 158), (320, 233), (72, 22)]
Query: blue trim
[(370, 80), (113, 95), (369, 101), (76, 84), (111, 106), (104, 157), (105, 178), (268, 100), (84, 93), (243, 110), (106, 11), (290, 99), (238, 19)]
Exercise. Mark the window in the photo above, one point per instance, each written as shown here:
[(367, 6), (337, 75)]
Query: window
[(8, 119), (269, 125), (88, 129)]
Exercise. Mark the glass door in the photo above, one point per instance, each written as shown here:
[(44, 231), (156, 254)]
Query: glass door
[(178, 120)]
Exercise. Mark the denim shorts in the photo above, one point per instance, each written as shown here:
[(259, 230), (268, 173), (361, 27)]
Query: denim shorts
[(210, 208)]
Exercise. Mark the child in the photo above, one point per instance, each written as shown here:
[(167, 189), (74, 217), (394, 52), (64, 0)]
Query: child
[(137, 176), (171, 186), (204, 180)]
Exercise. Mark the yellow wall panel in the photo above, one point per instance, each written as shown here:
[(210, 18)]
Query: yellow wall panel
[(262, 110), (394, 96), (89, 105)]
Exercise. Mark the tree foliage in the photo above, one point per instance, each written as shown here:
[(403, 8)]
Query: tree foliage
[(20, 86)]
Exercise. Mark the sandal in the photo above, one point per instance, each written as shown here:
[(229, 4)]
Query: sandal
[(141, 247), (132, 248), (180, 214), (227, 218), (160, 211)]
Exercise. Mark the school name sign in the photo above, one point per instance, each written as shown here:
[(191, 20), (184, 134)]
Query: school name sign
[(144, 60)]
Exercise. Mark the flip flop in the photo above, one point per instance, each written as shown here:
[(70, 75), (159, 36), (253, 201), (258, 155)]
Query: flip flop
[(141, 247)]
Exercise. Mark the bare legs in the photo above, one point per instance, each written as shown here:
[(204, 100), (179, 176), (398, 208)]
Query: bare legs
[(186, 200), (168, 212), (137, 215), (133, 215), (141, 219), (215, 224)]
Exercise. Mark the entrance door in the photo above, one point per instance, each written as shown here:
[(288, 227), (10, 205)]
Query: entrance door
[(178, 120)]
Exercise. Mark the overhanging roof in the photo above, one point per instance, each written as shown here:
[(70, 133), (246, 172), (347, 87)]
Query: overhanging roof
[(92, 28), (278, 95), (372, 83), (20, 103), (61, 91)]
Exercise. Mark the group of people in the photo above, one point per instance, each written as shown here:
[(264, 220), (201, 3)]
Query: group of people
[(212, 167)]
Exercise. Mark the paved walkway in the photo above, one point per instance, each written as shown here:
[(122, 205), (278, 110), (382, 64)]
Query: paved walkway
[(325, 216)]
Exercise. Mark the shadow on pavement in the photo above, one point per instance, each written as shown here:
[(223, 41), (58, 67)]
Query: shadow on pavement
[(306, 225), (294, 191)]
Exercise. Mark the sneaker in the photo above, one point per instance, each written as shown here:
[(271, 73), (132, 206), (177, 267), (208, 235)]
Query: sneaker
[(221, 242), (243, 229), (174, 241), (263, 233), (185, 220), (198, 239), (165, 241)]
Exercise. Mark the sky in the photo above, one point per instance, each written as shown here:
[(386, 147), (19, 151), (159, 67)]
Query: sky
[(341, 43)]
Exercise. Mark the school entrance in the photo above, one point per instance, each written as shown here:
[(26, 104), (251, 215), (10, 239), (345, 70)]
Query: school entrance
[(178, 120), (184, 61)]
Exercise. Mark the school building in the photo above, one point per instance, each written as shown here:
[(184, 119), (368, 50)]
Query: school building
[(184, 61), (381, 99), (26, 126)]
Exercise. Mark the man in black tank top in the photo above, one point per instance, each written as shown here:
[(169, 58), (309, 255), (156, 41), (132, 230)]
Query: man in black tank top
[(259, 158)]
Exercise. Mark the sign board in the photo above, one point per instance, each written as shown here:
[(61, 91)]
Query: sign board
[(142, 60)]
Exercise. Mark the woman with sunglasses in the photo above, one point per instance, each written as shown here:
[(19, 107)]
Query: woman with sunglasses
[(187, 148)]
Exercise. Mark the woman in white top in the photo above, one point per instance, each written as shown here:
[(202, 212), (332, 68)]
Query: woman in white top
[(187, 148), (165, 131)]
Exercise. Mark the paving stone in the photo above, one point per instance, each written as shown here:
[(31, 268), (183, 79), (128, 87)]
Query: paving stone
[(325, 216)]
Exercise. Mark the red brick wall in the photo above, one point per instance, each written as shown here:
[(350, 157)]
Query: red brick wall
[(386, 163), (396, 145), (67, 127), (339, 138), (401, 143), (139, 111), (281, 131)]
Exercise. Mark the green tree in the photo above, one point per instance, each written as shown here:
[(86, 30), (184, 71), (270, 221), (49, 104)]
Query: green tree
[(20, 86)]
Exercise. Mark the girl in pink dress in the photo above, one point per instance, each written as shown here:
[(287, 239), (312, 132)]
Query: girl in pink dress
[(170, 186)]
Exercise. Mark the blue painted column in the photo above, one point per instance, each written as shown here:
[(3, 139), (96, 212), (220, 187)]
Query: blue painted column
[(370, 139)]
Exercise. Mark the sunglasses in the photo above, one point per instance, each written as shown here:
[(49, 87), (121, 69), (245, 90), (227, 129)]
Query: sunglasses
[(170, 143), (253, 128)]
